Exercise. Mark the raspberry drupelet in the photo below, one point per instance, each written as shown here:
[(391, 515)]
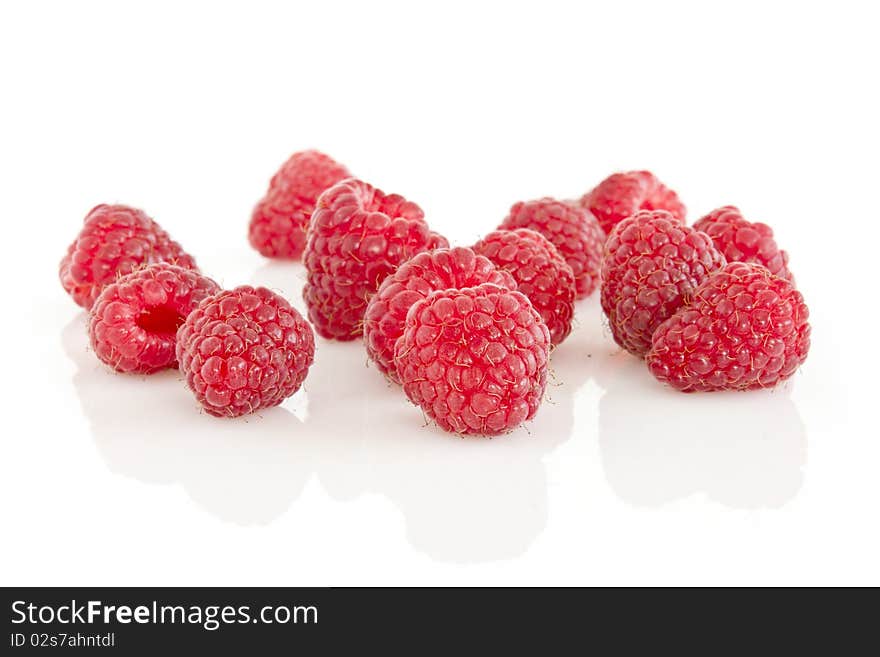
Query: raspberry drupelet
[(571, 229), (115, 240), (280, 219), (358, 236), (621, 195), (744, 241), (475, 360), (745, 328), (243, 350), (428, 272), (652, 265), (540, 273), (133, 324)]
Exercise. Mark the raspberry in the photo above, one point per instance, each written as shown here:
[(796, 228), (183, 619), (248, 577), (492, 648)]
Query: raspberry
[(744, 241), (540, 273), (623, 194), (427, 272), (358, 236), (475, 359), (244, 349), (572, 230), (133, 324), (651, 267), (114, 241), (745, 328), (280, 219)]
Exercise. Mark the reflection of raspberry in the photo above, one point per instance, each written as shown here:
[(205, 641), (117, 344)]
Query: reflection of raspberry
[(134, 321), (651, 267), (744, 241), (623, 194), (279, 221), (745, 328), (244, 349), (475, 359), (358, 235), (540, 273), (572, 230), (427, 272), (114, 241)]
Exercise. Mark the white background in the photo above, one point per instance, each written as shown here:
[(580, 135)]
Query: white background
[(186, 110)]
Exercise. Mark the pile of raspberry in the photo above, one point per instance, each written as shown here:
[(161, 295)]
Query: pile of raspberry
[(151, 309), (709, 307), (466, 332)]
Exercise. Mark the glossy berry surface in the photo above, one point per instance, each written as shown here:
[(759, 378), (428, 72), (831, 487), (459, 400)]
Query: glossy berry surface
[(744, 328), (571, 229), (744, 241), (133, 324), (358, 236), (114, 241), (280, 219), (621, 195), (540, 273), (475, 360), (652, 265), (244, 349), (428, 272)]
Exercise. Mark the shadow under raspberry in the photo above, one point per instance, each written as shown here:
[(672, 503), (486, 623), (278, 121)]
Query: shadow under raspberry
[(744, 450), (150, 428)]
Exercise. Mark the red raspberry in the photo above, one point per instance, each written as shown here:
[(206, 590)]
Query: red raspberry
[(475, 359), (244, 349), (745, 328), (279, 221), (744, 241), (133, 324), (540, 273), (427, 272), (623, 194), (572, 230), (114, 241), (651, 267), (358, 236)]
